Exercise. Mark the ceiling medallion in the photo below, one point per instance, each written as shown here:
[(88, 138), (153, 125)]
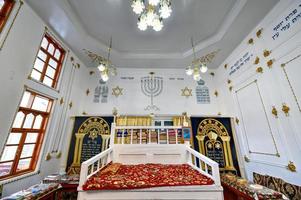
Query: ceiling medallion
[(105, 66), (151, 14), (199, 65)]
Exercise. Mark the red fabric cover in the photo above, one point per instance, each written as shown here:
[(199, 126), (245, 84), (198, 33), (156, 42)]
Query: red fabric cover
[(145, 176)]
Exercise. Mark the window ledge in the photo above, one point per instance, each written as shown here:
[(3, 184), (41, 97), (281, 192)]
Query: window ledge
[(13, 179), (43, 84)]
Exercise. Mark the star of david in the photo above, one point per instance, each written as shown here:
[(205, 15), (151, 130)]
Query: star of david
[(186, 92), (93, 134), (117, 91)]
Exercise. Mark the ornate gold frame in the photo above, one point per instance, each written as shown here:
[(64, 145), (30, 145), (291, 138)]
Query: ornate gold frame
[(103, 130), (208, 125)]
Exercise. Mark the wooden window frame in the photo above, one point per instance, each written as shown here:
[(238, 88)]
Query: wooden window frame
[(59, 61), (24, 131), (5, 12)]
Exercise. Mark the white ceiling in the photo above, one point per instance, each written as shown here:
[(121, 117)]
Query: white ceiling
[(214, 24)]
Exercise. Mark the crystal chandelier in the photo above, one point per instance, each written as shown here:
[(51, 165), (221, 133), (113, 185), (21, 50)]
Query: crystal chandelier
[(105, 66), (197, 67), (151, 14)]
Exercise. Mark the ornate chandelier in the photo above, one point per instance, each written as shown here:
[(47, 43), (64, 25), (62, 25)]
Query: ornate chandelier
[(105, 66), (151, 14), (197, 66)]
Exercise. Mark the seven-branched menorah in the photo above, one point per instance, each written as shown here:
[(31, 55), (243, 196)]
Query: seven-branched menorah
[(152, 86)]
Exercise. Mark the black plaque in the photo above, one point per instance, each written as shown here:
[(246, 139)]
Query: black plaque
[(214, 150), (91, 147)]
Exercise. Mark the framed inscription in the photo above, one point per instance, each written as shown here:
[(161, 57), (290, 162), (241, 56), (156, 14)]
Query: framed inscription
[(90, 136)]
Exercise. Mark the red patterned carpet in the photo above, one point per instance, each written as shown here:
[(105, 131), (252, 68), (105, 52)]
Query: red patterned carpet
[(117, 176)]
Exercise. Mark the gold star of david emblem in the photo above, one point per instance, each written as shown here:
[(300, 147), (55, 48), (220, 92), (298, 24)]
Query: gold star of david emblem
[(93, 134), (117, 91), (186, 92)]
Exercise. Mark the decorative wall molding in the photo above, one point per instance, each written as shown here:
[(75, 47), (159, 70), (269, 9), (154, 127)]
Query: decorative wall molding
[(277, 154)]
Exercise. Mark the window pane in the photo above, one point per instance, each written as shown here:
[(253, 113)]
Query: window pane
[(31, 137), (39, 65), (51, 49), (18, 120), (14, 138), (50, 72), (1, 3), (27, 150), (25, 99), (53, 63), (23, 164), (48, 81), (9, 153), (44, 43), (40, 103), (35, 75), (57, 54), (5, 168), (28, 121), (42, 55), (38, 122)]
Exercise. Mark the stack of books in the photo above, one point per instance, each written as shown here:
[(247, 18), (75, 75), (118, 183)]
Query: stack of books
[(154, 137), (163, 136), (172, 136)]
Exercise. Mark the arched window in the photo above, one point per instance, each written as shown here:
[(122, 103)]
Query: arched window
[(48, 62), (22, 149), (6, 7)]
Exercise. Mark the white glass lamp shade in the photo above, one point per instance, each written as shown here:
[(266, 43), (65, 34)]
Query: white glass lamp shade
[(138, 6), (165, 9), (203, 68), (150, 16), (189, 71), (142, 24), (153, 2), (157, 24), (101, 67), (196, 77), (104, 77)]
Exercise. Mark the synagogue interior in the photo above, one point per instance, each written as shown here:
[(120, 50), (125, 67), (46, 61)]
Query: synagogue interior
[(150, 99)]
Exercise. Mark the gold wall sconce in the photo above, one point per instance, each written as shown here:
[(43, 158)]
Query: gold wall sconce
[(87, 92), (216, 93), (70, 105), (236, 120), (61, 100), (275, 112), (270, 63), (259, 70), (251, 41), (259, 32), (291, 166), (285, 109), (266, 53), (256, 61)]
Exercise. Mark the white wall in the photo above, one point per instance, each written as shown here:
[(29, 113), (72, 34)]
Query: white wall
[(16, 61), (254, 94), (133, 101)]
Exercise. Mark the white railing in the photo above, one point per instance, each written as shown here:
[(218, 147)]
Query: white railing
[(203, 164), (94, 164), (188, 155), (146, 134)]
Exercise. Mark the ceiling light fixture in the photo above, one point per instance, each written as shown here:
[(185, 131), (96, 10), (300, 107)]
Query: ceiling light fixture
[(105, 66), (197, 66), (151, 14)]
